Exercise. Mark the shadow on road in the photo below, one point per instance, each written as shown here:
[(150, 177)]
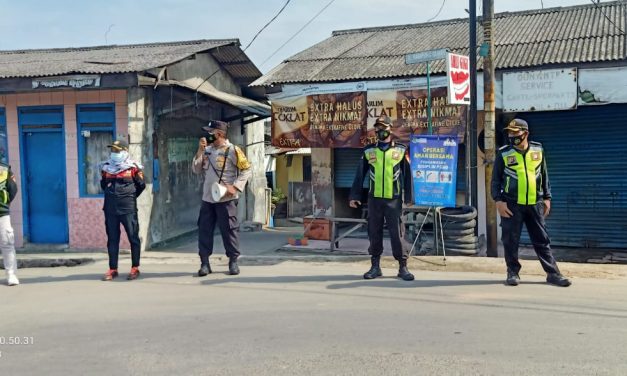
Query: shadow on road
[(281, 279), (354, 281), (98, 277), (397, 283)]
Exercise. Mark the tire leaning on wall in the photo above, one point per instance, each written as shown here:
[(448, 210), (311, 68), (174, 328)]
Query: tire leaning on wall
[(458, 230)]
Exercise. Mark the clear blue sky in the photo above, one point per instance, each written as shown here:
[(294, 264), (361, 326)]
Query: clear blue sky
[(28, 24)]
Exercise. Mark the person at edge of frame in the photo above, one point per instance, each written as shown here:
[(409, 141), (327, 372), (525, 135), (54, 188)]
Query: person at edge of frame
[(8, 191), (221, 162), (386, 166), (122, 181), (522, 191)]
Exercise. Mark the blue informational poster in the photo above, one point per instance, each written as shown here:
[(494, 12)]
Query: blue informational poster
[(434, 169)]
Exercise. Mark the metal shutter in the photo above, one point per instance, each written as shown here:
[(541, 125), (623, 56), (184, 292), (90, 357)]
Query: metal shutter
[(586, 153), (345, 162)]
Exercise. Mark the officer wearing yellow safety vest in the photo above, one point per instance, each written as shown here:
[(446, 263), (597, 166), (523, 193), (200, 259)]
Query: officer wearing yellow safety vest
[(8, 191), (386, 165), (520, 186)]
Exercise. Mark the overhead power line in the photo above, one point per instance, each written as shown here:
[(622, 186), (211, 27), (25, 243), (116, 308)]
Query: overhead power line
[(268, 24), (298, 32), (249, 43), (596, 5), (439, 11)]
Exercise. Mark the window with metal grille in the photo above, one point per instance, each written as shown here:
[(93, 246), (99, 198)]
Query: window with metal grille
[(96, 130)]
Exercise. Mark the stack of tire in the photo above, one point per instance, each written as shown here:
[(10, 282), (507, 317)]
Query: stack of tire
[(458, 228)]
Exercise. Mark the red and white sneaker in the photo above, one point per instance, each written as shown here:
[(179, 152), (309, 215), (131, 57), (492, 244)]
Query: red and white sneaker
[(133, 274), (110, 275)]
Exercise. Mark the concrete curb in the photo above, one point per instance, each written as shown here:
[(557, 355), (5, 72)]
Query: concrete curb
[(415, 263)]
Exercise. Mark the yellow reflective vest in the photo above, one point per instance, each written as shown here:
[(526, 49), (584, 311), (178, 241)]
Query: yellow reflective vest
[(521, 177), (387, 170), (8, 188)]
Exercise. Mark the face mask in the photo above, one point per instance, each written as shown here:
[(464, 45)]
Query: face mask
[(211, 138), (383, 134), (119, 157), (516, 140)]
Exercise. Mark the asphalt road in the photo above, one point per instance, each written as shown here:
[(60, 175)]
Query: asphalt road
[(308, 319)]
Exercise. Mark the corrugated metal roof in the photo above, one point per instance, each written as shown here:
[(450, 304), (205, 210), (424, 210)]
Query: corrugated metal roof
[(123, 59), (576, 34)]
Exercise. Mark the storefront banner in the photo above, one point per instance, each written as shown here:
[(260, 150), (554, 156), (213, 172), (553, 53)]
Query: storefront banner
[(434, 169), (300, 90), (346, 119)]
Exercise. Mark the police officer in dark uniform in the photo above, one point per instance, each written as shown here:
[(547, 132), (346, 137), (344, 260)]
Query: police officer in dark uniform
[(386, 166), (520, 186), (122, 181)]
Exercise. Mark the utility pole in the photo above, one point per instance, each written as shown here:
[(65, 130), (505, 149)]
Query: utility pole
[(489, 125), (471, 141)]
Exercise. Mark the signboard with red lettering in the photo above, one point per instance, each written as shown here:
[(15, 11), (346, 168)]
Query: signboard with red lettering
[(458, 73)]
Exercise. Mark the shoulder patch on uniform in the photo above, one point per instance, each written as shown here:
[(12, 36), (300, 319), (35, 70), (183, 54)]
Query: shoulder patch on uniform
[(503, 147), (535, 143), (511, 160), (242, 161), (536, 156)]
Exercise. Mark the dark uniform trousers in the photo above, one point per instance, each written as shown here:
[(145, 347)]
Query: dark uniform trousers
[(533, 218), (390, 211), (131, 226), (224, 214)]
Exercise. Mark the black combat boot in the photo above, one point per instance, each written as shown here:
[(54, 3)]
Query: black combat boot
[(205, 269), (557, 280), (233, 268), (512, 278), (403, 273), (375, 270)]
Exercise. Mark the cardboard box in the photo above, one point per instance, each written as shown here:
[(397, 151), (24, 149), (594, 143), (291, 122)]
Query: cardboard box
[(319, 229)]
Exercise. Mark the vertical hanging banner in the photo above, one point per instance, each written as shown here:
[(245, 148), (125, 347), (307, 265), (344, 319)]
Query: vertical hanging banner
[(458, 73), (434, 169)]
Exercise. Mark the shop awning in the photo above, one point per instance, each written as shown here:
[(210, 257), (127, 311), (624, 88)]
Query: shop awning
[(273, 150), (248, 106), (300, 151)]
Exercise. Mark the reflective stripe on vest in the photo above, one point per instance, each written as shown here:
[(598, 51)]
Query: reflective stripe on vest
[(525, 170), (383, 162)]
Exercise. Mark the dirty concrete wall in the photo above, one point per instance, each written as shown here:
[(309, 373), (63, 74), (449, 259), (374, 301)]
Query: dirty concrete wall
[(322, 182), (178, 199), (140, 129), (203, 66), (256, 199), (178, 196)]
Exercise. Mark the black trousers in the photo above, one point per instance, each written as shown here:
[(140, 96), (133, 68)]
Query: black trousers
[(224, 214), (390, 211), (131, 226), (533, 218)]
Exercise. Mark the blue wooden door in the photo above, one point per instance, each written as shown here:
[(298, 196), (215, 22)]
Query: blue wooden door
[(44, 187)]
